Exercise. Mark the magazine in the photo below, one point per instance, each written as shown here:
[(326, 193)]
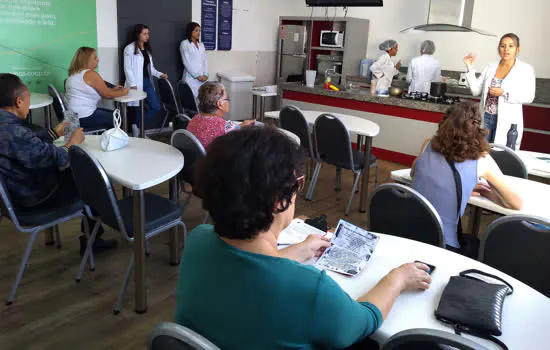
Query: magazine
[(351, 249)]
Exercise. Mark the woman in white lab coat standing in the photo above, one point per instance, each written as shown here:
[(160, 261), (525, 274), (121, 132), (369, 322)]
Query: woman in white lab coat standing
[(504, 87), (140, 70), (383, 69), (193, 55), (424, 69)]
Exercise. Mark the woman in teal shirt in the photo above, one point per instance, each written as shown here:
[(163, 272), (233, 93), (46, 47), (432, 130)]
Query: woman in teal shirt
[(237, 289)]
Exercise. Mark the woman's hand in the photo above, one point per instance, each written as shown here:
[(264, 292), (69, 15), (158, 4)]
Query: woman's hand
[(312, 247), (398, 65), (134, 88), (411, 276), (164, 75), (202, 78), (496, 91), (469, 60), (248, 122)]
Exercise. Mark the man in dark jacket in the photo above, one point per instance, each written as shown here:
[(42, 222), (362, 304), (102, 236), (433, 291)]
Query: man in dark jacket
[(33, 168)]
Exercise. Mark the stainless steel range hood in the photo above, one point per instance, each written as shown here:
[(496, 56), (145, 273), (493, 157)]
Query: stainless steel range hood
[(449, 16)]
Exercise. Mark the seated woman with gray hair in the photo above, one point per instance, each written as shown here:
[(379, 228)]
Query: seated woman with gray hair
[(424, 69), (213, 105)]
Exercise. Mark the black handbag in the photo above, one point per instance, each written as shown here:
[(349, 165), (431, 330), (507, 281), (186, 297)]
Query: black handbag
[(472, 305)]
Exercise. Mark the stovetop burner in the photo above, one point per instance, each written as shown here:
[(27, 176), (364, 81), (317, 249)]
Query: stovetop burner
[(425, 97)]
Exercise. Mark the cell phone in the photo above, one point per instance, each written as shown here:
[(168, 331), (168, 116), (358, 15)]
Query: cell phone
[(432, 267)]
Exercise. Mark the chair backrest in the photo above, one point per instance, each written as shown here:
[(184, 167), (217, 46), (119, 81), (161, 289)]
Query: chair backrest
[(293, 120), (401, 211), (180, 122), (58, 103), (518, 245), (333, 142), (192, 151), (186, 98), (172, 336), (6, 206), (508, 161), (95, 189), (168, 96), (421, 338)]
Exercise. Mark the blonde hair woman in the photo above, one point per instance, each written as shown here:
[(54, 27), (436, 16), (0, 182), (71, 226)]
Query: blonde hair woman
[(85, 88)]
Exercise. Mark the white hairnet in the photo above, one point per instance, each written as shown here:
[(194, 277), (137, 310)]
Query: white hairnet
[(427, 47), (387, 45)]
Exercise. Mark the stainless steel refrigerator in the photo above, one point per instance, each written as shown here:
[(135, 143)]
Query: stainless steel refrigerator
[(292, 51)]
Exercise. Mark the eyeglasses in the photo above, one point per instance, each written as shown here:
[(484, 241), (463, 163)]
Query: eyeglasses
[(300, 183), (226, 99)]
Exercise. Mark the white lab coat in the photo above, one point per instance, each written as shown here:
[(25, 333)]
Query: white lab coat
[(133, 69), (519, 88), (422, 71), (383, 71), (196, 64)]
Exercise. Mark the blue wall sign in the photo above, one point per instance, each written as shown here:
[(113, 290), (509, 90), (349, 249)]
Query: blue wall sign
[(225, 24), (208, 24)]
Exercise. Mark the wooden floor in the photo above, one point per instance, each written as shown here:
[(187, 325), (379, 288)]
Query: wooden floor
[(51, 311)]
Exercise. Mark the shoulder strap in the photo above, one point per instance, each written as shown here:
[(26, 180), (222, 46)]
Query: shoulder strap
[(458, 185), (465, 273), (460, 329)]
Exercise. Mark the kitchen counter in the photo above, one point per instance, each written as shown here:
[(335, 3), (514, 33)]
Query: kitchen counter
[(542, 95), (364, 95), (404, 124)]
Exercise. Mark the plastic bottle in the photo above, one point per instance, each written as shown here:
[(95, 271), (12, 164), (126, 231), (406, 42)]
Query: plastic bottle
[(74, 124), (512, 137)]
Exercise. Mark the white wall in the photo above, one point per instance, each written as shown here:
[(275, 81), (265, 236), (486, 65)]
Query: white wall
[(255, 32), (107, 39)]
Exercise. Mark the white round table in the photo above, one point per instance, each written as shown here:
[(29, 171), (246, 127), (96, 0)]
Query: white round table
[(526, 314), (141, 165), (41, 101), (537, 164), (363, 128), (133, 96)]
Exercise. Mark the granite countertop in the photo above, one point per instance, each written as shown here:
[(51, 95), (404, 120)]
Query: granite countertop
[(364, 95), (542, 95)]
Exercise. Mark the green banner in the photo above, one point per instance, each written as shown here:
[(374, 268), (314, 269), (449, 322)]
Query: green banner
[(38, 38)]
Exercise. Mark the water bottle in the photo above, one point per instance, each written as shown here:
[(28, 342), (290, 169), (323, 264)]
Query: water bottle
[(512, 137), (73, 124)]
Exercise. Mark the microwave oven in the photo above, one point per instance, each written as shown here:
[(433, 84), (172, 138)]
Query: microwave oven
[(331, 38)]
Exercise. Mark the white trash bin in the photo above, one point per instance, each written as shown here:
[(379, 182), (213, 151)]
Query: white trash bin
[(238, 88)]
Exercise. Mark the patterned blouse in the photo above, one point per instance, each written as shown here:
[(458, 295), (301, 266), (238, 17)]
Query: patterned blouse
[(206, 129), (491, 104)]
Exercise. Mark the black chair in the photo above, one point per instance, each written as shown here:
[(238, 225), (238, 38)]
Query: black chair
[(58, 103), (424, 338), (518, 245), (192, 151), (33, 221), (399, 210), (172, 336), (101, 205), (186, 99), (508, 161), (60, 108), (181, 121), (168, 99), (333, 147), (292, 119)]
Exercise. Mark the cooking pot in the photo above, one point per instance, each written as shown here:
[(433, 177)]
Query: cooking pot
[(438, 89), (395, 91)]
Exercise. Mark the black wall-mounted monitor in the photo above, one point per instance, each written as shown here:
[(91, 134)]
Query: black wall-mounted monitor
[(339, 3)]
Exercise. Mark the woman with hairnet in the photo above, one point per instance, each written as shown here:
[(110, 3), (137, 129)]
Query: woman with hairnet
[(383, 69), (424, 69)]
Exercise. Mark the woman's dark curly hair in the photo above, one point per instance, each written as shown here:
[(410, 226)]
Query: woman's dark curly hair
[(461, 135), (243, 177)]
